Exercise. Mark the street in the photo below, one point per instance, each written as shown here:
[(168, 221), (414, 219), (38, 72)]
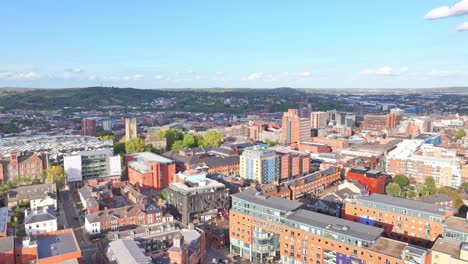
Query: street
[(71, 219)]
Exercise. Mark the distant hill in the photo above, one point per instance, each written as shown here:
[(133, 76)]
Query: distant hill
[(188, 99)]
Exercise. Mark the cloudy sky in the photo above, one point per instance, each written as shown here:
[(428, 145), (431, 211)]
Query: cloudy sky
[(173, 44)]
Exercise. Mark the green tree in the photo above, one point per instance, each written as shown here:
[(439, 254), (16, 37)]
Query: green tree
[(401, 180), (464, 186), (271, 143), (460, 133), (171, 135), (189, 141), (429, 186), (393, 189), (212, 138), (119, 148), (56, 174), (152, 149), (135, 145), (455, 196), (411, 194), (178, 145)]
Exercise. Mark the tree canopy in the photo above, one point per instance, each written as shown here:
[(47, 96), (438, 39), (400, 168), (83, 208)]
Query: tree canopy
[(189, 141), (178, 145), (429, 186), (55, 174), (401, 180), (212, 138), (460, 133), (135, 145), (171, 135), (464, 186), (271, 143), (393, 189)]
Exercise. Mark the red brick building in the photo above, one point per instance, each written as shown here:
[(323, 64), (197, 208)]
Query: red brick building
[(381, 122), (293, 165), (88, 127), (146, 170), (22, 165), (374, 180), (7, 252)]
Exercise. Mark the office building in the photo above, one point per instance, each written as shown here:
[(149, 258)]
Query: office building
[(318, 119), (407, 220), (92, 164), (268, 229), (130, 128), (197, 199), (374, 180), (341, 119), (107, 125), (259, 164), (146, 170), (294, 128), (381, 122), (88, 127)]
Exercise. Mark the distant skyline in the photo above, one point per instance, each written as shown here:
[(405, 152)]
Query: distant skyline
[(253, 44)]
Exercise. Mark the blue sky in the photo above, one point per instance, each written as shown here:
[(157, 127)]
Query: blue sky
[(177, 44)]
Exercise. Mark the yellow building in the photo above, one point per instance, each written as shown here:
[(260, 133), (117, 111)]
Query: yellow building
[(130, 128)]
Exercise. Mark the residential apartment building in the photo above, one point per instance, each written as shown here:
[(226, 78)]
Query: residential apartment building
[(294, 128), (146, 170), (267, 229), (337, 144), (341, 119), (456, 228), (407, 220), (22, 165), (374, 180), (124, 218), (197, 199), (259, 164), (130, 128), (293, 164), (447, 250), (88, 127), (318, 119), (418, 160), (92, 164)]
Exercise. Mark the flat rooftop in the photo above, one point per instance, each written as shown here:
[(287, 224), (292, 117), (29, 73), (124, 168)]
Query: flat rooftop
[(448, 246), (336, 225), (273, 202), (144, 157), (56, 244), (3, 219), (457, 224), (405, 203), (388, 247)]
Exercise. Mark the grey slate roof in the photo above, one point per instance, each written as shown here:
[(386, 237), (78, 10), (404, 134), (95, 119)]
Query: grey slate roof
[(273, 202), (337, 225), (39, 217), (57, 244), (405, 203), (437, 198), (26, 192), (126, 251)]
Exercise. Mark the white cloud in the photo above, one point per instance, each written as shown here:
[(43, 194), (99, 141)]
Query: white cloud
[(158, 77), (462, 27), (458, 9), (305, 74), (386, 71), (254, 76), (75, 70), (20, 76)]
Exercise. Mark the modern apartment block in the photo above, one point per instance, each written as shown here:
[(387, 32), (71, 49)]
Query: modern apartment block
[(22, 165), (259, 164), (418, 160), (294, 128), (318, 119), (407, 220), (92, 164), (294, 164), (146, 170), (447, 250), (198, 199), (456, 228), (267, 229), (130, 128), (341, 119), (88, 127)]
